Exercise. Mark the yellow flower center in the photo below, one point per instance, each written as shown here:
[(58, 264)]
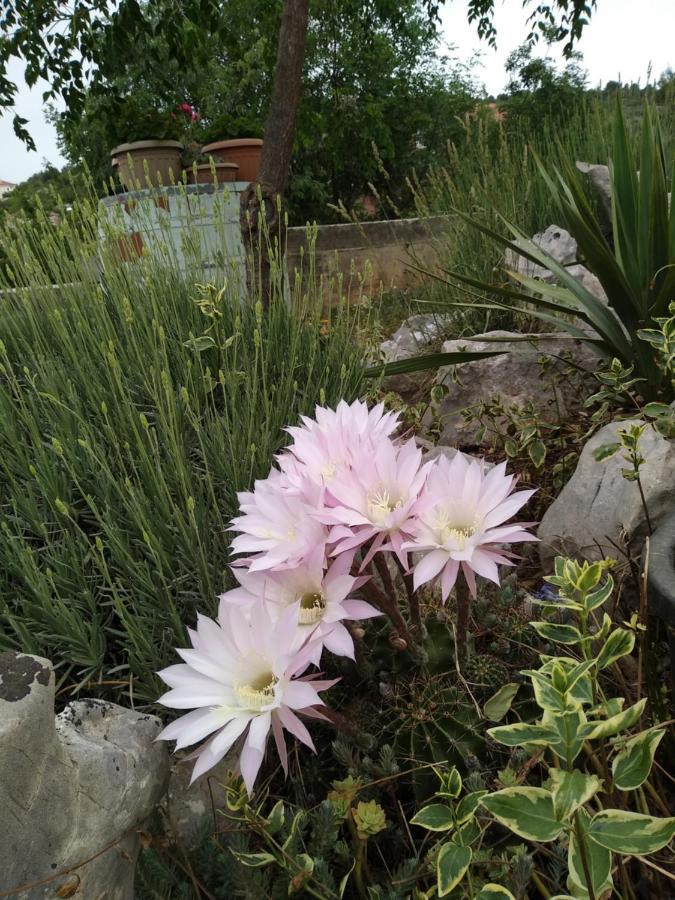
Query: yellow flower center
[(258, 692), (448, 529), (312, 608), (381, 503)]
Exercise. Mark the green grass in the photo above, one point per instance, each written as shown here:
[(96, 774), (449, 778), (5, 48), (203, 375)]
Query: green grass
[(125, 433)]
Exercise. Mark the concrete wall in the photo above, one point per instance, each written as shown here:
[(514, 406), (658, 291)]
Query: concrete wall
[(379, 251)]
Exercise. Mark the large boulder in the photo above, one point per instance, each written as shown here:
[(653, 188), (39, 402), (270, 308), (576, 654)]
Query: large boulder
[(73, 788), (599, 510), (517, 378)]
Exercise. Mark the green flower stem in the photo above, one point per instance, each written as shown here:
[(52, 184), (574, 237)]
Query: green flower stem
[(389, 606), (413, 602), (463, 607)]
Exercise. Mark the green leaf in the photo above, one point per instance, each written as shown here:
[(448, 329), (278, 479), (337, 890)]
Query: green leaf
[(630, 833), (545, 694), (500, 703), (523, 733), (527, 811), (602, 595), (468, 805), (427, 361), (494, 892), (571, 790), (620, 722), (276, 818), (631, 767), (619, 643), (253, 860), (451, 866), (467, 833), (569, 726), (537, 453), (510, 447), (598, 860), (605, 451), (199, 344), (559, 634), (654, 410), (435, 817)]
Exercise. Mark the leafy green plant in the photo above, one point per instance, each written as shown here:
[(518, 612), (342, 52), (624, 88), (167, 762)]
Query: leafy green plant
[(637, 274), (580, 726)]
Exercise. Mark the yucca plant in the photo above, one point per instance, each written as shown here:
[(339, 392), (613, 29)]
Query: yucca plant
[(637, 273)]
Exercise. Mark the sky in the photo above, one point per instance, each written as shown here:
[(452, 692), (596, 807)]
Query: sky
[(623, 38)]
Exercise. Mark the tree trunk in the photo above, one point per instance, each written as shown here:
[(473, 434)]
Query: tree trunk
[(261, 212)]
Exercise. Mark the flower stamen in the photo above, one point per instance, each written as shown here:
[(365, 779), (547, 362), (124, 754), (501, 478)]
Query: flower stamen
[(312, 608), (258, 692)]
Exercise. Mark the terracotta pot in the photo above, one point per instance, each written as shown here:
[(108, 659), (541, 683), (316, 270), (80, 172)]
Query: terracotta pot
[(203, 173), (162, 159), (245, 152)]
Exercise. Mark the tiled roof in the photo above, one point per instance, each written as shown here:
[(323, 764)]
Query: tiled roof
[(6, 183)]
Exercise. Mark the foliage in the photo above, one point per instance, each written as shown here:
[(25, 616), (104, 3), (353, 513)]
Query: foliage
[(133, 406), (575, 716), (537, 92), (637, 274)]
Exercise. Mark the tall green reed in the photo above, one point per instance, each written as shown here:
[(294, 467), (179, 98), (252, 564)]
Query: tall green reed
[(135, 402), (493, 171)]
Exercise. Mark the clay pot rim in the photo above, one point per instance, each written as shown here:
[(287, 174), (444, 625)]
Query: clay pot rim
[(222, 164), (235, 142), (145, 145)]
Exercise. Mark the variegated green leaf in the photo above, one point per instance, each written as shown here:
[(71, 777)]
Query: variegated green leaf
[(523, 733), (568, 726), (494, 892), (545, 694), (559, 634), (435, 817), (630, 833), (619, 643), (598, 861), (602, 595), (527, 811), (620, 722), (467, 833), (631, 767), (468, 805), (451, 866), (571, 790)]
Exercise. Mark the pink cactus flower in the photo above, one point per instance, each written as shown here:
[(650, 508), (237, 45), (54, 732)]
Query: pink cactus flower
[(376, 499), (322, 600), (241, 677), (335, 439), (460, 523), (276, 525)]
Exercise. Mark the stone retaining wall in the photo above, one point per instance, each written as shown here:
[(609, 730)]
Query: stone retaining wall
[(382, 250)]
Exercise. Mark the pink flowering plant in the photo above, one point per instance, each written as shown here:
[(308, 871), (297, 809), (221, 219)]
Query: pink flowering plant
[(350, 525)]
